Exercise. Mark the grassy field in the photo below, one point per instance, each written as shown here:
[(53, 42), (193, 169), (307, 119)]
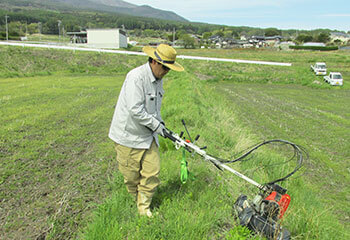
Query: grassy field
[(48, 38), (318, 119), (58, 177)]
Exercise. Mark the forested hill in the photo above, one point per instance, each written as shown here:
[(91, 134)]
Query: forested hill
[(112, 6)]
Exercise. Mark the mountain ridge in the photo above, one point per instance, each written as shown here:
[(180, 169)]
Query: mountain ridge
[(111, 6), (115, 3)]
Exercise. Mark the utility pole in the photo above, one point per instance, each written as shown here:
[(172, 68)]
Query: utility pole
[(59, 30), (173, 36), (39, 28), (7, 28), (26, 29)]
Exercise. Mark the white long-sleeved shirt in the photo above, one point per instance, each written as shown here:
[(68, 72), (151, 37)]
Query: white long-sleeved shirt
[(137, 113)]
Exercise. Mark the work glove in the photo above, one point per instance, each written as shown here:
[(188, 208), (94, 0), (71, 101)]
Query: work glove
[(160, 129)]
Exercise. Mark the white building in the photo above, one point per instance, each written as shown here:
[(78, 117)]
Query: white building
[(107, 38)]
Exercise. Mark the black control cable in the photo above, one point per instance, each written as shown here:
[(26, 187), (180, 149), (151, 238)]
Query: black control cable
[(299, 153)]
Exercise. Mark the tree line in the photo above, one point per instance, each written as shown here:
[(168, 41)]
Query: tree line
[(22, 21)]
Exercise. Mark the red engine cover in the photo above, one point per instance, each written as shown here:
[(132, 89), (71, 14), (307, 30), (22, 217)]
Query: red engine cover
[(282, 200)]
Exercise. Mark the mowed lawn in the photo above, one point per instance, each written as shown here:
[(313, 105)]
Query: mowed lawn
[(54, 159)]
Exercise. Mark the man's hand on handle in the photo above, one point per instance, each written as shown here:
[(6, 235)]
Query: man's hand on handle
[(160, 129)]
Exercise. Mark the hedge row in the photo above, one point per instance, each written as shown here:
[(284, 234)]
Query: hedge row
[(12, 36), (320, 48)]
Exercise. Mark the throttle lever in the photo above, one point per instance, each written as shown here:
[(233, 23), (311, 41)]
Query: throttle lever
[(197, 137)]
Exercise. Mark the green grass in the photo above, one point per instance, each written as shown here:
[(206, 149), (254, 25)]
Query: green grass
[(29, 62), (58, 176), (48, 38), (298, 73), (52, 151), (318, 119)]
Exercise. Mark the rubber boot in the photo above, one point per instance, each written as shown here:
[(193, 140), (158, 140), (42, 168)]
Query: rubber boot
[(143, 204)]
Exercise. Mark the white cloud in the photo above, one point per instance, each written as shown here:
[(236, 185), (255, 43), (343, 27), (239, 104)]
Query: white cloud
[(337, 15)]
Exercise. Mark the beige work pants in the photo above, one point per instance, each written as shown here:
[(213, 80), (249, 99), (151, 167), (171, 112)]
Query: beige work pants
[(140, 168)]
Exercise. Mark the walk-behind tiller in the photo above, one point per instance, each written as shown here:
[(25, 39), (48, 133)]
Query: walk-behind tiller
[(263, 214)]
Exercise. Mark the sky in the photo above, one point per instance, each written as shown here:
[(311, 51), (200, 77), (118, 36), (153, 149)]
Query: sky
[(281, 14)]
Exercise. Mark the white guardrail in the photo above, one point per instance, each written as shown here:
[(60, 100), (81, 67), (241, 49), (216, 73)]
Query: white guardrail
[(140, 53)]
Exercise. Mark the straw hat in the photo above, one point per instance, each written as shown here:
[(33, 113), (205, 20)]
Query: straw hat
[(165, 55)]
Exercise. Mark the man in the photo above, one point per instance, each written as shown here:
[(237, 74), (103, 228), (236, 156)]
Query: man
[(137, 122)]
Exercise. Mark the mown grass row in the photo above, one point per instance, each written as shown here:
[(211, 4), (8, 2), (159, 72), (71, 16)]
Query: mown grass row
[(51, 168), (315, 118)]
